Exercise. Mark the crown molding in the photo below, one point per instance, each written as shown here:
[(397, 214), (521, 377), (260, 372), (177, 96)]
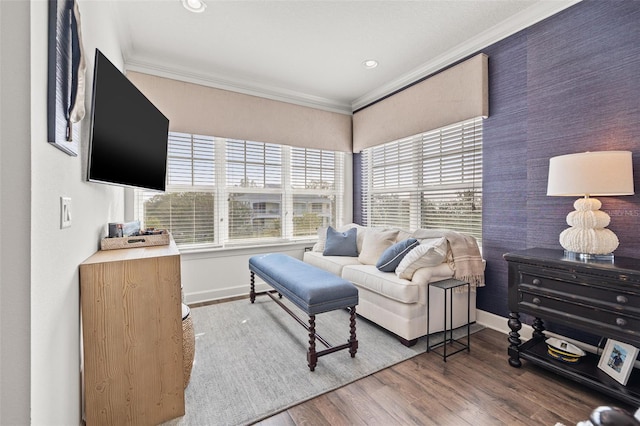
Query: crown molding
[(518, 22), (236, 85), (530, 16)]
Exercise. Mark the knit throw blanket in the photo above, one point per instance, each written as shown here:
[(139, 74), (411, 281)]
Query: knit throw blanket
[(463, 257)]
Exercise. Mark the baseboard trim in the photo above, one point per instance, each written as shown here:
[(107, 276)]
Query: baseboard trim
[(203, 297), (498, 323)]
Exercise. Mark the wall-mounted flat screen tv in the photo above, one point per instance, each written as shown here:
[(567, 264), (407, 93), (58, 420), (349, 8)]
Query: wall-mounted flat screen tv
[(128, 142)]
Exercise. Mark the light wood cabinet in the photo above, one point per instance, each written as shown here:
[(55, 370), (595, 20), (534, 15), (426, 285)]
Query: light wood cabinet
[(132, 336)]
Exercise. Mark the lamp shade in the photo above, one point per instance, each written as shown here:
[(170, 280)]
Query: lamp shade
[(598, 173)]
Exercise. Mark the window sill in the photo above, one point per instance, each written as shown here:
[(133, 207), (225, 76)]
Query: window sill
[(234, 250)]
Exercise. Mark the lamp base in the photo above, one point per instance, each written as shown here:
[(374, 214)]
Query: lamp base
[(587, 257), (588, 234)]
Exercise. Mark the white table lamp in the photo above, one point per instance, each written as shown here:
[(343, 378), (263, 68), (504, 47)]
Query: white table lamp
[(587, 174)]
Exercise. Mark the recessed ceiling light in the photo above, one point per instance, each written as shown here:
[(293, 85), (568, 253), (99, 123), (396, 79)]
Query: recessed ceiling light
[(370, 64), (195, 6)]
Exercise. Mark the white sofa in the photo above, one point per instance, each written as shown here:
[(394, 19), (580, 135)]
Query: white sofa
[(394, 303)]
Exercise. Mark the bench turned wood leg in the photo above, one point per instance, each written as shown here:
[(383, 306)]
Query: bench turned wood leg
[(353, 342), (312, 356), (252, 292)]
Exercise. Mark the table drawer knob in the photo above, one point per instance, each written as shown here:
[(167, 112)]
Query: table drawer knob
[(621, 299), (536, 281), (536, 300), (621, 321)]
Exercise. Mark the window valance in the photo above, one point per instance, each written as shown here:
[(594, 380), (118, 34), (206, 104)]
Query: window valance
[(456, 94), (196, 109)]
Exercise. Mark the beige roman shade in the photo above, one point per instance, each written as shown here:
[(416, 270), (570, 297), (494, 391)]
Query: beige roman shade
[(197, 109), (456, 94)]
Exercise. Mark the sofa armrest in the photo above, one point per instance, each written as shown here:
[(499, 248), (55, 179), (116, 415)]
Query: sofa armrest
[(423, 276)]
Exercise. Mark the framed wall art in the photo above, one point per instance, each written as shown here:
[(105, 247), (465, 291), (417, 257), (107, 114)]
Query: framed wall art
[(66, 76), (617, 360)]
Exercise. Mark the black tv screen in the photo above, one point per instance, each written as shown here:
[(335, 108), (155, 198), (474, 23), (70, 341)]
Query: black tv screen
[(128, 142)]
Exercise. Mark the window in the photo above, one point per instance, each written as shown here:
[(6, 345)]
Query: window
[(230, 192), (430, 180)]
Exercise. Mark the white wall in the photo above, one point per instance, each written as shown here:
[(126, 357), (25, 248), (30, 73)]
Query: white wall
[(220, 275), (56, 253), (15, 216)]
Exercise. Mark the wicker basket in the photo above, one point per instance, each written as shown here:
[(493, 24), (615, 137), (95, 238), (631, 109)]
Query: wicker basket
[(135, 241), (188, 347)]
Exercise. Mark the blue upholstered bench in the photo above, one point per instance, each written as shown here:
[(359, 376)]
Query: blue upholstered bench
[(312, 290)]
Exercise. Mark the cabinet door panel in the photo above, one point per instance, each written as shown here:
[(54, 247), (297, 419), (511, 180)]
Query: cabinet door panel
[(132, 336)]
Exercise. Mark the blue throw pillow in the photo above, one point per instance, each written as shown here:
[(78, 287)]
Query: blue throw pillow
[(341, 243), (391, 257)]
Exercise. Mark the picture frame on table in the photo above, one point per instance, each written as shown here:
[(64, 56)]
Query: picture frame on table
[(617, 360)]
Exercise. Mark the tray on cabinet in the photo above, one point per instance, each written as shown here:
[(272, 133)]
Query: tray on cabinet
[(160, 239)]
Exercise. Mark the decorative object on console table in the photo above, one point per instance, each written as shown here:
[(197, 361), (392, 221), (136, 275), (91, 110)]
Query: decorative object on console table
[(617, 360), (563, 350), (597, 297), (602, 173)]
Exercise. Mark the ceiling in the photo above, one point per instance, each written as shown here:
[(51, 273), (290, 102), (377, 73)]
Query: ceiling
[(311, 52)]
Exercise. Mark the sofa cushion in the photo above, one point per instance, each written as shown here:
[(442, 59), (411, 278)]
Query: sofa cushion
[(391, 257), (341, 243), (333, 264), (384, 283), (375, 242), (430, 252)]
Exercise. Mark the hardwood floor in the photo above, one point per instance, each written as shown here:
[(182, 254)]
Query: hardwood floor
[(476, 388)]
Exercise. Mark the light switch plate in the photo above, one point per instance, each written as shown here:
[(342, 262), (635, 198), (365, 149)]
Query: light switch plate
[(65, 212)]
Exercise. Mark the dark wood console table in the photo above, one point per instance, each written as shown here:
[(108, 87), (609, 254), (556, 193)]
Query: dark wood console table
[(601, 298)]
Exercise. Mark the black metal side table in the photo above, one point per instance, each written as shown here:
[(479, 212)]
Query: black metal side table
[(448, 286)]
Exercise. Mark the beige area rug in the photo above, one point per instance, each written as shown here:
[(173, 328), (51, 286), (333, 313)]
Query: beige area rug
[(250, 360)]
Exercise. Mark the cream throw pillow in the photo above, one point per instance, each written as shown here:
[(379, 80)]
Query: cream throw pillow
[(431, 252), (374, 244), (322, 239)]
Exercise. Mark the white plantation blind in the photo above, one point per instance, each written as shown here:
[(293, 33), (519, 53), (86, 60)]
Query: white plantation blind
[(190, 160), (226, 191), (253, 164), (254, 183), (317, 179), (430, 180), (314, 169), (188, 206)]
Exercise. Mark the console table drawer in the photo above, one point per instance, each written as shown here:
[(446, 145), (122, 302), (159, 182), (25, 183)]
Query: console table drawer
[(586, 288), (588, 316)]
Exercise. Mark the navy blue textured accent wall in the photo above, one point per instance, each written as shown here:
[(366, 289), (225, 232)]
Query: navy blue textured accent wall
[(568, 84)]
